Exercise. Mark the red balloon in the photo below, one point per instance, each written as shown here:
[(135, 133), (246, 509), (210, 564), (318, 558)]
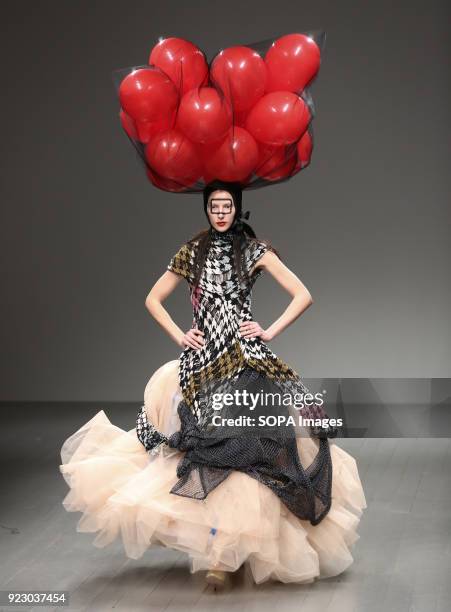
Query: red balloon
[(292, 61), (165, 184), (235, 158), (144, 130), (205, 152), (203, 115), (240, 73), (304, 151), (279, 118), (275, 162), (128, 125), (182, 61), (174, 157), (147, 94), (244, 182), (148, 129), (240, 118)]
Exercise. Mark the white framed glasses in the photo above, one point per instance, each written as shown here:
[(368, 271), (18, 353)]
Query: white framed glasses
[(220, 205)]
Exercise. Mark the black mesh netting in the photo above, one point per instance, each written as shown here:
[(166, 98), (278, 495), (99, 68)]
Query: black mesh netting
[(267, 453)]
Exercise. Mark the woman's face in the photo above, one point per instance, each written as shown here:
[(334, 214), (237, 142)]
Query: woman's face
[(221, 210)]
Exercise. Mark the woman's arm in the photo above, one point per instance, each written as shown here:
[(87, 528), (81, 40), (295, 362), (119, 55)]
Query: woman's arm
[(291, 283), (164, 286)]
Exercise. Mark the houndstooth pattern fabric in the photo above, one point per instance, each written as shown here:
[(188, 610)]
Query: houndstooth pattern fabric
[(220, 302), (147, 433)]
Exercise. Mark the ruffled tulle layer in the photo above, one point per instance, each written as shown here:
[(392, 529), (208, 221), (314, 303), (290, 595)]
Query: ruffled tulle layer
[(123, 491)]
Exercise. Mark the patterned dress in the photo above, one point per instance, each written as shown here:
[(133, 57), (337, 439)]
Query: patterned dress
[(228, 362)]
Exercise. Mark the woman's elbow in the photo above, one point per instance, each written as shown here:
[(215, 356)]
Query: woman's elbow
[(150, 302), (306, 297)]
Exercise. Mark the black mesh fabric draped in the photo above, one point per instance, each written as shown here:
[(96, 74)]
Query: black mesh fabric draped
[(268, 454)]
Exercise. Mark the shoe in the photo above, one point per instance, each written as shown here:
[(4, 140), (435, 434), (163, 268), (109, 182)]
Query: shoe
[(216, 578)]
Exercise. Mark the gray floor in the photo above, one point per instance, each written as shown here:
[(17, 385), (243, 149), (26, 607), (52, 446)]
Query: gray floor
[(401, 562)]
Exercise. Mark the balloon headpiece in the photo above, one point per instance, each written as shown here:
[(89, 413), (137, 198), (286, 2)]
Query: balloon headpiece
[(245, 117)]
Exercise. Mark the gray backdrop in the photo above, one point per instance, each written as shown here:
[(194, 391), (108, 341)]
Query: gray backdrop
[(84, 235)]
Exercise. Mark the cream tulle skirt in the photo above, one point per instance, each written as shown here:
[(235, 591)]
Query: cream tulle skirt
[(124, 491)]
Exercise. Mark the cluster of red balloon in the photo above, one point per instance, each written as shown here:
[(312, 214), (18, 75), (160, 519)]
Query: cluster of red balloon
[(245, 117)]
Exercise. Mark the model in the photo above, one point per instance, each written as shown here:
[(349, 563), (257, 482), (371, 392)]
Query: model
[(285, 500)]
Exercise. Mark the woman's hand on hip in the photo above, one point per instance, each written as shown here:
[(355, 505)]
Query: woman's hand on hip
[(193, 338), (252, 329)]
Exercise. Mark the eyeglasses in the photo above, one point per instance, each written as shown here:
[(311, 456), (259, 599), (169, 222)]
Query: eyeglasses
[(216, 209)]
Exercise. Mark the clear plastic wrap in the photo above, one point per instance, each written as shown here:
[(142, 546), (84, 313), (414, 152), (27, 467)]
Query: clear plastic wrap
[(245, 116)]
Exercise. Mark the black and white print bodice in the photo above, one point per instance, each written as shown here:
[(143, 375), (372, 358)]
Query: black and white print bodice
[(220, 302)]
